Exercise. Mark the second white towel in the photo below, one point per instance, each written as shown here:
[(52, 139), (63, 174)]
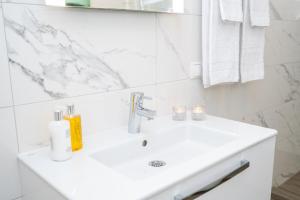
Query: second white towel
[(259, 12), (231, 10), (252, 43)]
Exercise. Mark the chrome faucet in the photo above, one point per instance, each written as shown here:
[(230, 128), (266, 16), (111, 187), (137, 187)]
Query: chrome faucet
[(137, 111)]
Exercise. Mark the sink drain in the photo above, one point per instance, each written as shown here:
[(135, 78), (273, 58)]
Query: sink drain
[(157, 163)]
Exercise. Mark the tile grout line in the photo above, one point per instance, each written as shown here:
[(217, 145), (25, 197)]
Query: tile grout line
[(156, 62), (17, 198), (155, 84), (102, 93), (10, 79), (5, 107)]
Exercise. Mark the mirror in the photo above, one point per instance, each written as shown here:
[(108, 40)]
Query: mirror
[(167, 6)]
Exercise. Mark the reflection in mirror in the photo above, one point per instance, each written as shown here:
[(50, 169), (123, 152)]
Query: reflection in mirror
[(169, 6)]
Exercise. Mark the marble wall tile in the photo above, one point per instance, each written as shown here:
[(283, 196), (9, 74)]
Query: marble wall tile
[(290, 87), (286, 166), (70, 59), (5, 88), (285, 119), (9, 181), (193, 7), (290, 114), (285, 9), (236, 100), (282, 42), (99, 112), (178, 45), (186, 92)]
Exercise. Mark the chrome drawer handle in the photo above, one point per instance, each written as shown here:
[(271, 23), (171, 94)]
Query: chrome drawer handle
[(243, 165)]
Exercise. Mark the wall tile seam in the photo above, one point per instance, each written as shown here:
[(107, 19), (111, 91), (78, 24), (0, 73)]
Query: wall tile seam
[(102, 93), (10, 82), (156, 84), (6, 107), (18, 198), (156, 59)]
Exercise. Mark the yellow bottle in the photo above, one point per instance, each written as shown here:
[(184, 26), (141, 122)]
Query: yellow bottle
[(75, 127)]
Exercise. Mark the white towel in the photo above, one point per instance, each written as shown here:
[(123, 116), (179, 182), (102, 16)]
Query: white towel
[(259, 12), (252, 48), (220, 46), (231, 10), (205, 41)]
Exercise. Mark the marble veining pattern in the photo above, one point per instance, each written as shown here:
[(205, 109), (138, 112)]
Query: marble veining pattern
[(285, 118), (282, 42), (171, 45), (285, 9), (176, 36), (291, 74), (274, 13), (62, 65), (71, 63)]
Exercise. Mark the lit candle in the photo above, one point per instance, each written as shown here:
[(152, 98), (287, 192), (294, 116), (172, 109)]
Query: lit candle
[(198, 113), (179, 113)]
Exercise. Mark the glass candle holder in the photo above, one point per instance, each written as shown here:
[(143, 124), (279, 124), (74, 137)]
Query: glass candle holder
[(198, 113), (179, 113)]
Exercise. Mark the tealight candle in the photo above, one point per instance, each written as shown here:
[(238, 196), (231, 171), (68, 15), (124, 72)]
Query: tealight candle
[(179, 113), (198, 113)]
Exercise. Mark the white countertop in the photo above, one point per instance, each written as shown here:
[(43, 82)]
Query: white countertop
[(83, 177)]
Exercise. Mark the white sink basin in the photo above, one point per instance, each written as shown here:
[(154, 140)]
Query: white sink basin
[(173, 147), (115, 165)]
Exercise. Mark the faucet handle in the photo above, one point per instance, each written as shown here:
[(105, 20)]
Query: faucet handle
[(138, 98)]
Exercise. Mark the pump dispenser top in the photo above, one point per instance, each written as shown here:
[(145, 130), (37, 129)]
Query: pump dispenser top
[(60, 137)]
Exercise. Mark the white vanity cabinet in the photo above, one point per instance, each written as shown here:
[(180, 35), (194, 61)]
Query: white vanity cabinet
[(35, 188), (251, 183), (214, 159)]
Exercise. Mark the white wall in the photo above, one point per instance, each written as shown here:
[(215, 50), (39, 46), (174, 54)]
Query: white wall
[(96, 58)]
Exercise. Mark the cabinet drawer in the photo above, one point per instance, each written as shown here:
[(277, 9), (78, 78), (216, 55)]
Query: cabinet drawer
[(251, 182)]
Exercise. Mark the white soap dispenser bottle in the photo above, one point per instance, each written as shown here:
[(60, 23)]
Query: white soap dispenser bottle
[(60, 137)]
